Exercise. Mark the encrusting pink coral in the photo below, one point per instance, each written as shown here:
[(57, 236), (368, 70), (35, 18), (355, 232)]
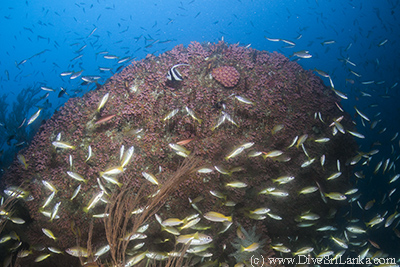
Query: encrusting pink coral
[(226, 75)]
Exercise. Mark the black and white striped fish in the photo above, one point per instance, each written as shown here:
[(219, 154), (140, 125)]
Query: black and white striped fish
[(173, 74)]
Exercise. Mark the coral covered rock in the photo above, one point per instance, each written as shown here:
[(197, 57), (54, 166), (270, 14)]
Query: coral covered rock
[(227, 76), (248, 139)]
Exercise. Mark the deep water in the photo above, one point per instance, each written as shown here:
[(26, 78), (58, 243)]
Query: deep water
[(355, 42)]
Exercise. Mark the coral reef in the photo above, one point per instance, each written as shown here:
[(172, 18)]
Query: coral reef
[(245, 138), (226, 75)]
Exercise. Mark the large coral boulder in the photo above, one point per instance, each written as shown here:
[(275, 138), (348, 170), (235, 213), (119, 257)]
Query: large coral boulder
[(243, 137)]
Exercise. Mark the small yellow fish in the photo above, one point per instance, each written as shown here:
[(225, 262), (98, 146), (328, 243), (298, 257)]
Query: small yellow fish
[(391, 218), (235, 152), (244, 100), (250, 248), (340, 242), (374, 221), (205, 170), (49, 186), (76, 176), (5, 238), (322, 140), (272, 154), (112, 171), (334, 176), (150, 177), (126, 158), (274, 216), (260, 211), (325, 253), (48, 200), (49, 233), (303, 251), (218, 194), (351, 191), (277, 128), (356, 230), (283, 179), (34, 116), (54, 250), (95, 199), (102, 250), (293, 141), (179, 148), (222, 170), (308, 190), (55, 211), (77, 252), (64, 145), (394, 178), (102, 102), (335, 196), (309, 216), (221, 119), (217, 217), (339, 93), (281, 248), (301, 140), (16, 220), (42, 257), (193, 115), (339, 127), (362, 115), (112, 180), (369, 204), (172, 222), (274, 192), (322, 73), (171, 114), (194, 239), (307, 163), (22, 160), (75, 193), (358, 135), (189, 224), (236, 184), (136, 259)]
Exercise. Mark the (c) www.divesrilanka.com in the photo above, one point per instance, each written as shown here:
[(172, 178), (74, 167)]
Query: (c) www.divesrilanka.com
[(303, 259)]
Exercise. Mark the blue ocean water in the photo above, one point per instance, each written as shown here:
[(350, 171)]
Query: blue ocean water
[(355, 42)]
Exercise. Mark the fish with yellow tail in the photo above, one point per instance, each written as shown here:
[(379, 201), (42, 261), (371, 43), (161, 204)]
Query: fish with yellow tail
[(195, 239), (93, 202), (76, 176), (63, 145), (34, 116), (217, 217), (103, 102), (335, 196), (250, 248), (22, 160)]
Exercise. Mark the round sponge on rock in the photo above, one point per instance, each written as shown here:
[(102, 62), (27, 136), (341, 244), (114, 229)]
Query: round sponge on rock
[(226, 75)]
